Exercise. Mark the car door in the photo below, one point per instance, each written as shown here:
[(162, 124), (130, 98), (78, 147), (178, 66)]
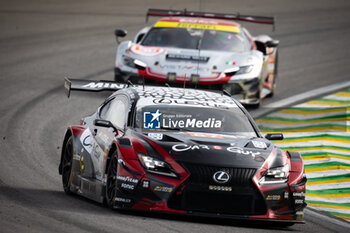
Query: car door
[(115, 111)]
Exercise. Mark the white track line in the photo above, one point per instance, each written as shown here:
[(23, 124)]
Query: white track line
[(313, 94)]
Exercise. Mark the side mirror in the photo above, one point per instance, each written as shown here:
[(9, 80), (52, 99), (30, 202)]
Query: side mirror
[(120, 33), (272, 43), (261, 46), (274, 136), (105, 123), (140, 65)]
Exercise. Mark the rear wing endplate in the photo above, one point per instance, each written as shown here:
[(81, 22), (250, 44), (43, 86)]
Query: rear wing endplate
[(90, 85), (211, 15)]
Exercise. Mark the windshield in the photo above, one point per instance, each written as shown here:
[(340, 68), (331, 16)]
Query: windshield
[(197, 119), (189, 38)]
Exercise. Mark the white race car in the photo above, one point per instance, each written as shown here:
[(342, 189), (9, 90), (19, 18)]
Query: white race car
[(203, 50)]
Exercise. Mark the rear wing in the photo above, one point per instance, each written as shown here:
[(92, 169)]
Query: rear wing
[(211, 15), (90, 85), (105, 85)]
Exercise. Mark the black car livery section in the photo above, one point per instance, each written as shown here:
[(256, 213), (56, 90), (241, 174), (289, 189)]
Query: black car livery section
[(126, 156)]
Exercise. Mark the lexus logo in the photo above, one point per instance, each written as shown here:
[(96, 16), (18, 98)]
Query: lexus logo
[(221, 177)]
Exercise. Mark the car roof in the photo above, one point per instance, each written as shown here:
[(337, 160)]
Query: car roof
[(153, 95)]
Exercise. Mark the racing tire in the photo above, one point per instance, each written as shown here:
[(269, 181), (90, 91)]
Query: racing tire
[(111, 182), (256, 105), (67, 161)]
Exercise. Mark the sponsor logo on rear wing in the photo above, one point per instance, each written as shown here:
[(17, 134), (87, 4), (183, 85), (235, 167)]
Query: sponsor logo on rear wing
[(89, 85), (211, 15)]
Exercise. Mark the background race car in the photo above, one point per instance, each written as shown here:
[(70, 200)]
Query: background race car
[(183, 151), (202, 50)]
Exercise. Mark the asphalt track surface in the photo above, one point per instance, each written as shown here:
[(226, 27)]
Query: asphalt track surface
[(43, 41)]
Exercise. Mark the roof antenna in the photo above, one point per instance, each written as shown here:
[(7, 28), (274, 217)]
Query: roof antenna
[(143, 82)]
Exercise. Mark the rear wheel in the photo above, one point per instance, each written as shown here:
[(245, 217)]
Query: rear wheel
[(67, 159), (111, 183)]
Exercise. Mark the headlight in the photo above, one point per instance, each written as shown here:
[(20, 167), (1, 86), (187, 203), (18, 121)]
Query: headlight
[(156, 166), (128, 61), (276, 175), (245, 69)]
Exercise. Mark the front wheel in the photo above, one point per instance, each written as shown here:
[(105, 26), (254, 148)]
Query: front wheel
[(111, 183), (67, 159)]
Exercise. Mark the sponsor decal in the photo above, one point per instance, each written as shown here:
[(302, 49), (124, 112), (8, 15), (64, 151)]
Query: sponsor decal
[(82, 165), (151, 120), (145, 184), (205, 21), (162, 101), (96, 153), (157, 120), (192, 123), (206, 103), (185, 147), (273, 197), (121, 199), (205, 26), (127, 186), (286, 195), (163, 189), (259, 144), (176, 67), (95, 85), (242, 151), (299, 201), (86, 140), (127, 179), (299, 213), (220, 188), (156, 136), (237, 150), (221, 177), (301, 194), (146, 50)]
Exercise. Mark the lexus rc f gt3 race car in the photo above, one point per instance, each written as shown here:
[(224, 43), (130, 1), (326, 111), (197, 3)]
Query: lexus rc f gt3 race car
[(201, 50), (182, 151)]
